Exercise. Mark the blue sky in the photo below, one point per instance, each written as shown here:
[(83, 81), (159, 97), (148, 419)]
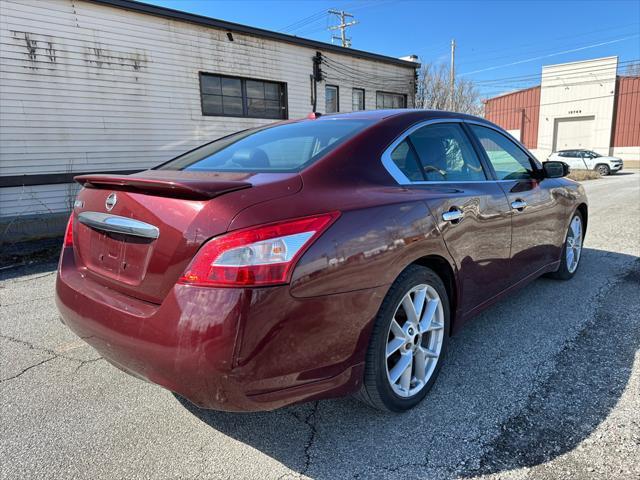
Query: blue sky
[(495, 39)]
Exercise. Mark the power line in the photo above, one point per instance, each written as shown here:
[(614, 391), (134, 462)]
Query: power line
[(303, 22), (334, 74), (348, 68), (532, 59), (573, 71), (484, 59), (356, 7)]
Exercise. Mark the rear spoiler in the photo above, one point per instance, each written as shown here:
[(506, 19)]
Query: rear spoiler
[(168, 186)]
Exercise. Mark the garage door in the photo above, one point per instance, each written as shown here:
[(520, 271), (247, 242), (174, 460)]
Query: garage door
[(573, 133)]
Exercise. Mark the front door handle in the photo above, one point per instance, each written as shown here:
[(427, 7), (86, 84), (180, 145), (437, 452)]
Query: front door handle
[(454, 215), (519, 205)]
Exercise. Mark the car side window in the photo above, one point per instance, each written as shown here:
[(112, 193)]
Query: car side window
[(405, 159), (507, 159), (446, 154)]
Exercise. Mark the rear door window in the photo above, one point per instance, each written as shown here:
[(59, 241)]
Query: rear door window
[(446, 154)]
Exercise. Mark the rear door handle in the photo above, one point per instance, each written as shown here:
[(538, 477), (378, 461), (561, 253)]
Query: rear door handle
[(519, 205), (454, 215)]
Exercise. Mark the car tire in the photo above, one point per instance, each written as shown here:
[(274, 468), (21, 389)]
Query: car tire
[(567, 269), (603, 169), (425, 340)]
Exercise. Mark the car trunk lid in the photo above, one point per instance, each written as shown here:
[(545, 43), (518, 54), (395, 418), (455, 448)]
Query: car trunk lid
[(137, 233)]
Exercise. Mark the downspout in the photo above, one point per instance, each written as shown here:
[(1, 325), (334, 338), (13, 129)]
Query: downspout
[(316, 77)]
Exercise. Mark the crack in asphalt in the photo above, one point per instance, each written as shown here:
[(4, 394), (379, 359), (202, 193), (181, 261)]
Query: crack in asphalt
[(27, 369), (310, 421), (35, 278), (53, 356), (86, 362), (30, 345)]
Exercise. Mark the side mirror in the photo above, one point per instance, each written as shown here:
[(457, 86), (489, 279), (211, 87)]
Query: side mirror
[(555, 169)]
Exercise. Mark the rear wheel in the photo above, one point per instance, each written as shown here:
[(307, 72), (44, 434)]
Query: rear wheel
[(572, 249), (408, 342), (603, 169)]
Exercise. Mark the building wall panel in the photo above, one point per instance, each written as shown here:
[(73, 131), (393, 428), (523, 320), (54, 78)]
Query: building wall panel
[(577, 90), (90, 87), (517, 111), (626, 126)]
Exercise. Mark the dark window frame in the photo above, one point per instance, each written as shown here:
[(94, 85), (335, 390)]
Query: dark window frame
[(364, 98), (243, 85), (384, 92), (330, 85)]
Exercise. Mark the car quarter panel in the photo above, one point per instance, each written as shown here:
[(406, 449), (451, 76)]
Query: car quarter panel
[(367, 248)]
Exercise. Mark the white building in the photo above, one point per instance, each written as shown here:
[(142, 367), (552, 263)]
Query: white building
[(117, 85), (591, 104)]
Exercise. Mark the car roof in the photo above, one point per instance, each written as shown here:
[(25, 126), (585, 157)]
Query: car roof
[(399, 112)]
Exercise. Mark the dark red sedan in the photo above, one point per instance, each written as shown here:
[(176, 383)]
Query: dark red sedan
[(313, 258)]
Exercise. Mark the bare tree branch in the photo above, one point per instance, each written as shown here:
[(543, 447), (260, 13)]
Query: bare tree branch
[(433, 91)]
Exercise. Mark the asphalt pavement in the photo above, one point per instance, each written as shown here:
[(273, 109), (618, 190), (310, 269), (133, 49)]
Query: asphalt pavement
[(545, 384)]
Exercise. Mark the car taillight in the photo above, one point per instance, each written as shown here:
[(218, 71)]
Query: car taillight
[(68, 234), (256, 256)]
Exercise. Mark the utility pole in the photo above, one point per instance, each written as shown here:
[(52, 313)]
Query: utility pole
[(452, 73), (343, 16)]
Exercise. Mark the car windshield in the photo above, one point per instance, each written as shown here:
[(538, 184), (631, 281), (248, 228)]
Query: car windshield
[(281, 148), (593, 154)]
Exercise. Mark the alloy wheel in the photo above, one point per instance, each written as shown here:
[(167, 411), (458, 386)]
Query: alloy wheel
[(414, 340), (574, 244)]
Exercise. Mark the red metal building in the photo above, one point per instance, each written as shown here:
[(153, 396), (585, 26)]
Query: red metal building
[(626, 126), (517, 112), (578, 105)]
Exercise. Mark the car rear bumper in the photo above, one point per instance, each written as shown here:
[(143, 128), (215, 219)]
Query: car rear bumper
[(225, 348)]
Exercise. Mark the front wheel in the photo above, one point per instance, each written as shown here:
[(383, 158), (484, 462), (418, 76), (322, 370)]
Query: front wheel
[(603, 170), (572, 249), (408, 342)]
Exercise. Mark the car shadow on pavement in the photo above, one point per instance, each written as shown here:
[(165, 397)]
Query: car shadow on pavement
[(26, 269), (524, 383)]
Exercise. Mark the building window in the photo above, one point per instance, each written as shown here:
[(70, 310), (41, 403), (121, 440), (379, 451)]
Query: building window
[(242, 97), (332, 105), (390, 100), (357, 99)]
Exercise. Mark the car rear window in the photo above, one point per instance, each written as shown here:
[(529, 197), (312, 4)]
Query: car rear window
[(281, 148)]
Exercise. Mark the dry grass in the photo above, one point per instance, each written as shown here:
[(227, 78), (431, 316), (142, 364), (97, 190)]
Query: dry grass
[(582, 175)]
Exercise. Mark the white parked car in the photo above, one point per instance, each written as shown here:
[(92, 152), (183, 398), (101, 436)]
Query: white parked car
[(588, 160)]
